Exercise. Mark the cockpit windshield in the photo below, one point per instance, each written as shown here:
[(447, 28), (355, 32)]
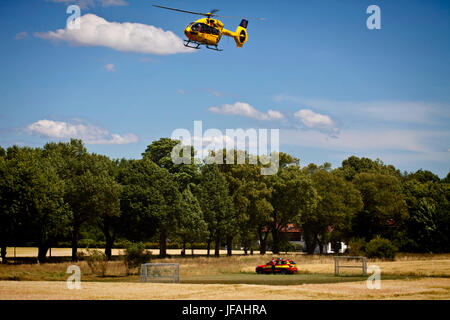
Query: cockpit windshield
[(196, 27)]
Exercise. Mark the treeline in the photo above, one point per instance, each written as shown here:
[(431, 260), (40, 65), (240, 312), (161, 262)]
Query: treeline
[(62, 193)]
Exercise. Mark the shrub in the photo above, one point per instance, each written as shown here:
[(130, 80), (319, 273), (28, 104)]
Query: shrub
[(135, 255), (380, 248), (96, 260), (356, 247), (286, 246)]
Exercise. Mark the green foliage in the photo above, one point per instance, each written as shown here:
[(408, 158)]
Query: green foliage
[(216, 203), (160, 152), (150, 201), (338, 202), (191, 223), (384, 205), (96, 260), (293, 198), (380, 248), (62, 193), (356, 247), (135, 255)]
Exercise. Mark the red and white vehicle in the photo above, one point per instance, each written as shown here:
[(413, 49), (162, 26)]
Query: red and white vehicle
[(279, 265)]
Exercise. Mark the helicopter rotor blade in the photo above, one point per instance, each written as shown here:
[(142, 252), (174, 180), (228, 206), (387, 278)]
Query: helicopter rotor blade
[(237, 17), (209, 14), (191, 12)]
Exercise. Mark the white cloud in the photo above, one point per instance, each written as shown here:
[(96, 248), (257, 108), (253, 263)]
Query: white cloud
[(89, 133), (109, 67), (417, 112), (312, 119), (127, 36), (420, 141), (246, 110), (21, 35)]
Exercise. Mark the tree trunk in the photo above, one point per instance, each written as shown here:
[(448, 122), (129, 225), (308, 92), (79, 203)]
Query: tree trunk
[(310, 241), (75, 235), (217, 246), (208, 249), (163, 243), (3, 252), (262, 242), (183, 251), (42, 253), (229, 246), (276, 241), (109, 243)]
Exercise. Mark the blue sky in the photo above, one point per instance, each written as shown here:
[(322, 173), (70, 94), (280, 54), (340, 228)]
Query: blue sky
[(337, 88)]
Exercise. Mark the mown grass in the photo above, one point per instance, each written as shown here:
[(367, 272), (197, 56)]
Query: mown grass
[(277, 279)]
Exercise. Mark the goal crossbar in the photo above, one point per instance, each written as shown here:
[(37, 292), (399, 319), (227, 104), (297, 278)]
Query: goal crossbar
[(338, 266)]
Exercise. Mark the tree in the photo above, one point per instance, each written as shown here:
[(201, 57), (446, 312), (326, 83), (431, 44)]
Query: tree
[(293, 196), (37, 193), (150, 198), (71, 162), (354, 165), (243, 181), (424, 176), (191, 223), (9, 208), (384, 205), (428, 225), (216, 204), (338, 201), (160, 152), (104, 200)]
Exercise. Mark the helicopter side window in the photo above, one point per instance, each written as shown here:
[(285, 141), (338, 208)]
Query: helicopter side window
[(196, 27), (207, 29)]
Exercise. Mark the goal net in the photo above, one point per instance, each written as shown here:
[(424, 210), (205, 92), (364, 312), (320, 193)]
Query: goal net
[(160, 272), (357, 262)]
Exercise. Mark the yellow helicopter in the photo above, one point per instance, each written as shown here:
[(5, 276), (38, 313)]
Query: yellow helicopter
[(208, 32)]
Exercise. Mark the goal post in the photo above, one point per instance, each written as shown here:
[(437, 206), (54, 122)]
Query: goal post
[(350, 262), (160, 272)]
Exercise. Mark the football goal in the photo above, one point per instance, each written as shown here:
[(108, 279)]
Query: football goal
[(350, 262), (160, 272)]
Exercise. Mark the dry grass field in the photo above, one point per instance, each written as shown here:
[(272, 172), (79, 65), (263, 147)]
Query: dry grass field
[(410, 276), (428, 288)]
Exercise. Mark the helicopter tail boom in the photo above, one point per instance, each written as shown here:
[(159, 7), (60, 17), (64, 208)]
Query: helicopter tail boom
[(240, 36)]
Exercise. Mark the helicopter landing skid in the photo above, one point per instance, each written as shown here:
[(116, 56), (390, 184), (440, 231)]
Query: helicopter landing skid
[(215, 48), (187, 42), (196, 45)]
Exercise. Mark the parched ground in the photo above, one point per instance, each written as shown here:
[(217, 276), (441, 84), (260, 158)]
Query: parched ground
[(426, 288), (410, 276)]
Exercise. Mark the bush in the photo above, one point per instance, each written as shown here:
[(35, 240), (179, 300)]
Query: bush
[(96, 260), (135, 255), (286, 246), (380, 248), (356, 247)]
